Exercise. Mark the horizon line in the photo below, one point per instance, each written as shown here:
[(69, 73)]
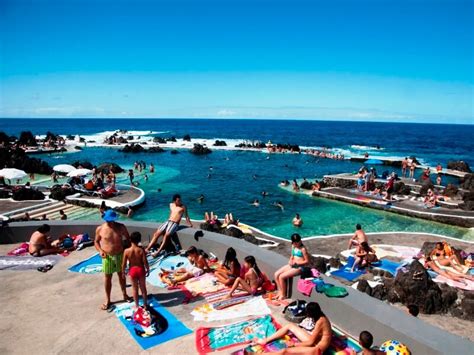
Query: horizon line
[(239, 118)]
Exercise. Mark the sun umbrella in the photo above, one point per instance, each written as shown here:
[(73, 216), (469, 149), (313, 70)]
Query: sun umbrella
[(374, 162), (79, 172), (64, 168), (12, 174)]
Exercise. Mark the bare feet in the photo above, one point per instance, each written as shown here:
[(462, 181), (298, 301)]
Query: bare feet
[(227, 297), (105, 306)]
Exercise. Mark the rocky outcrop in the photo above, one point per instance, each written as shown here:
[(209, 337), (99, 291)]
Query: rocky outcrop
[(468, 182), (27, 138), (400, 188), (232, 232), (257, 145), (187, 138), (159, 140), (451, 190), (199, 149), (416, 287), (107, 167), (137, 148), (319, 263), (219, 143), (18, 159), (24, 194), (468, 201), (306, 185), (335, 182), (174, 151), (59, 193), (459, 165), (132, 148), (83, 164)]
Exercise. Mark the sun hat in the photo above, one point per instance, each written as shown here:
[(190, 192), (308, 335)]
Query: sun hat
[(110, 216)]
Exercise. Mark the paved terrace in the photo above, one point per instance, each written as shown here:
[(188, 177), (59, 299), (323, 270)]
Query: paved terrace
[(410, 208), (57, 312)]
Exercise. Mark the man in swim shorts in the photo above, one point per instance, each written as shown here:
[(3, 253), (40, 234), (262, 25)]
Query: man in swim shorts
[(167, 229), (109, 243), (358, 238)]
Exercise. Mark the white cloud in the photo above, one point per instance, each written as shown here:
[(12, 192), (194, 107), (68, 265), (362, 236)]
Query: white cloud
[(226, 113)]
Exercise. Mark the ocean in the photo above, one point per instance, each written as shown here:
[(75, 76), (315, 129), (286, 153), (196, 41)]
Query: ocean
[(226, 180)]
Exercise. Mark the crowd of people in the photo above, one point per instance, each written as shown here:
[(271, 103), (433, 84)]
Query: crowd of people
[(324, 153)]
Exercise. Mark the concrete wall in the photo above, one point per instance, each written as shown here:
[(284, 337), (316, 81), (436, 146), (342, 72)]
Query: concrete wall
[(353, 313)]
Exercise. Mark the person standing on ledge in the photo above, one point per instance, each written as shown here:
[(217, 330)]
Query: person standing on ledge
[(167, 229), (108, 242)]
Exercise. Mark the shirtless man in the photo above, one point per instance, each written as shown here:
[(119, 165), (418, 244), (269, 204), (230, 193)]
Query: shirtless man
[(108, 242), (358, 238), (40, 244), (366, 340), (167, 229), (404, 167)]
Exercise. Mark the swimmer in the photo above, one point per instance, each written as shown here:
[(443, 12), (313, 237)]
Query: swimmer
[(297, 221), (254, 177), (200, 198), (264, 193), (159, 190), (145, 177), (279, 204), (256, 203)]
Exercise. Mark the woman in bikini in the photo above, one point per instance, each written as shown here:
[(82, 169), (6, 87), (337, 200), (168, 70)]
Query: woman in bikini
[(314, 333), (429, 264), (40, 244), (364, 256), (228, 272), (299, 259), (252, 280), (439, 254)]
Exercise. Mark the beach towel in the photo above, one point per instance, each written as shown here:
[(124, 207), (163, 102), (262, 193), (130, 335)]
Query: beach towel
[(165, 326), (384, 250), (202, 285), (171, 262), (467, 285), (465, 268), (255, 306), (218, 295), (92, 265), (341, 344), (27, 262), (344, 272), (210, 339), (387, 265), (305, 286), (20, 250)]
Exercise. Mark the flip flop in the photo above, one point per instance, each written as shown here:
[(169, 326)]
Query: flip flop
[(45, 268), (109, 307), (128, 299)]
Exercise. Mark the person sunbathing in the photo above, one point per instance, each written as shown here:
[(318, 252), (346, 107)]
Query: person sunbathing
[(439, 254), (364, 256), (40, 242), (314, 333), (429, 264), (253, 278), (299, 258), (229, 270), (431, 200), (198, 266)]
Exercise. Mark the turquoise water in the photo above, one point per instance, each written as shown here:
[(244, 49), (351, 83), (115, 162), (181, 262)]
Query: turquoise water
[(231, 188)]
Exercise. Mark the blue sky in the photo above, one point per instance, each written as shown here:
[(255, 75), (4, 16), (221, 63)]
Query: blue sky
[(352, 60)]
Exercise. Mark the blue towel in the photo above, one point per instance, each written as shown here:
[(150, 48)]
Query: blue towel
[(344, 271), (388, 265), (92, 265), (174, 330)]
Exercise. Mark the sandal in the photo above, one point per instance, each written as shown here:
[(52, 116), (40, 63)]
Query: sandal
[(109, 307), (45, 268)]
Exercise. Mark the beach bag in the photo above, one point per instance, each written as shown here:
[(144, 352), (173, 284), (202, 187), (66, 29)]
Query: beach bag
[(305, 286), (335, 291), (295, 312), (306, 272)]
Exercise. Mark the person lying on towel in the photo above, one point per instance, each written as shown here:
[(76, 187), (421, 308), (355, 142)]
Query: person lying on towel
[(199, 265), (314, 333)]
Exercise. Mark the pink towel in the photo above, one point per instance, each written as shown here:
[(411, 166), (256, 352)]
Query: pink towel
[(305, 286)]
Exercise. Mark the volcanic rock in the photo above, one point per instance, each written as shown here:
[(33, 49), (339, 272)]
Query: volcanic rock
[(459, 165), (199, 149), (24, 194)]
